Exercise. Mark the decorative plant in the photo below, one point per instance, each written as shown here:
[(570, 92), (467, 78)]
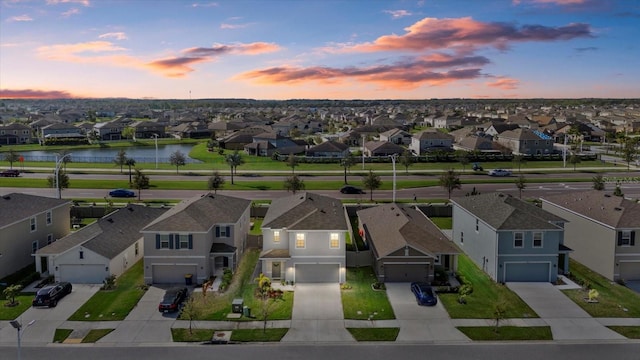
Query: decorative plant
[(593, 295)]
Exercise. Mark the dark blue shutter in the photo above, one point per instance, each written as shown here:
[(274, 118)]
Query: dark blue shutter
[(157, 241), (177, 240), (619, 238), (190, 241), (228, 231), (633, 238), (170, 241), (217, 231)]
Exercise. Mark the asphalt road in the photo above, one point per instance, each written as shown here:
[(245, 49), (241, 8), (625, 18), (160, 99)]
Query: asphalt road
[(370, 351)]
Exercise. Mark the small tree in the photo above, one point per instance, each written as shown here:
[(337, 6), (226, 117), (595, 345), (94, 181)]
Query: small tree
[(121, 159), (618, 190), (519, 160), (371, 181), (10, 294), (11, 156), (450, 181), (521, 184), (216, 181), (347, 162), (629, 151), (293, 184), (234, 160), (140, 181), (191, 311), (406, 159), (63, 180), (499, 312), (574, 159), (264, 293), (130, 163), (463, 159), (292, 162), (177, 159), (598, 182)]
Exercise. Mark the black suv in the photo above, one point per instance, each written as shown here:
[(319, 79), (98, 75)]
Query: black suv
[(51, 294), (172, 299)]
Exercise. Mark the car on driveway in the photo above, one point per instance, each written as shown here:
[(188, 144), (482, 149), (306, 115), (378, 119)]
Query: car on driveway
[(51, 294), (172, 299), (499, 172), (348, 189), (424, 293), (122, 193)]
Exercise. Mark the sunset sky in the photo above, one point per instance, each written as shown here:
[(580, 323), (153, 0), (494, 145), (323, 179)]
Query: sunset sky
[(319, 49)]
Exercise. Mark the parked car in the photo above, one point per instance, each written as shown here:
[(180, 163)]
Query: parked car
[(51, 294), (499, 172), (10, 173), (348, 189), (172, 299), (122, 193), (424, 293), (477, 167)]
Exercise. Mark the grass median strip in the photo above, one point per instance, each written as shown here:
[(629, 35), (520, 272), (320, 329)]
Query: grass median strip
[(489, 333), (61, 335), (630, 332), (374, 334), (95, 335)]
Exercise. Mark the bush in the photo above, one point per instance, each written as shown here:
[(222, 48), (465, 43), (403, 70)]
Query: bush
[(227, 275), (345, 286), (378, 286), (465, 289), (109, 283)]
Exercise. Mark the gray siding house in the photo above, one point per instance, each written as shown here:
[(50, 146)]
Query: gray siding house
[(602, 230), (510, 239), (28, 223), (304, 239), (199, 237)]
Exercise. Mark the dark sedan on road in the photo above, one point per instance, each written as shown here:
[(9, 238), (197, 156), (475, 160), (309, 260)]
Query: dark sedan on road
[(121, 193), (172, 299), (51, 294), (348, 189), (424, 293)]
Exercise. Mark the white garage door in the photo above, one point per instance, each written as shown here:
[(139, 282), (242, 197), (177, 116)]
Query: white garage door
[(83, 273), (630, 270), (172, 274), (317, 273)]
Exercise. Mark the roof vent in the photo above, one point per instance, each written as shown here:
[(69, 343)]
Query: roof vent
[(7, 197), (617, 209), (110, 220), (607, 195)]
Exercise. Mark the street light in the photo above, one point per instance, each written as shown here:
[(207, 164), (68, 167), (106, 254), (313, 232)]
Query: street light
[(57, 172), (16, 325), (393, 160), (155, 136)]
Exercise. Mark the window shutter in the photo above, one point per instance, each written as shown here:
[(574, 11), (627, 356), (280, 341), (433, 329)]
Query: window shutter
[(190, 241), (228, 231), (157, 241), (619, 238), (633, 238), (177, 240), (170, 241), (217, 231)]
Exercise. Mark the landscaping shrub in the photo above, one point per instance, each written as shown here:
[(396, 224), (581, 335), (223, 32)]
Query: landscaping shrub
[(227, 275)]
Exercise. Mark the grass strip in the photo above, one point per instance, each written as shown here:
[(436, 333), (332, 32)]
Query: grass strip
[(630, 332), (485, 333), (95, 335), (61, 335), (374, 334)]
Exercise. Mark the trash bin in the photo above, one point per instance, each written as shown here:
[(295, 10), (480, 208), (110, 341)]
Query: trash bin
[(246, 311), (188, 279)]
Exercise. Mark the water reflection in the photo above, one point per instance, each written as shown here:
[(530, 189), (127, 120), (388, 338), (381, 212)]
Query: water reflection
[(141, 154)]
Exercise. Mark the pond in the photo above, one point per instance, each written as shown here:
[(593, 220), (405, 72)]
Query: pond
[(141, 154)]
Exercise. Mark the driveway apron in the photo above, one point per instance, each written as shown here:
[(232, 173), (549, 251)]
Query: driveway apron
[(420, 323), (567, 320), (317, 315)]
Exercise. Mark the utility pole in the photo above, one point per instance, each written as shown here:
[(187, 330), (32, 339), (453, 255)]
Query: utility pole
[(393, 160)]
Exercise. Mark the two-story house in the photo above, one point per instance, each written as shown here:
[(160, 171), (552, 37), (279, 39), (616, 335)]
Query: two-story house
[(15, 133), (510, 239), (396, 136), (526, 141), (304, 239), (199, 237), (602, 231), (430, 140), (28, 223)]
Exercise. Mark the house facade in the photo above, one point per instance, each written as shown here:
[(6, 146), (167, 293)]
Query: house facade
[(510, 239), (526, 141), (304, 239), (602, 230), (430, 140), (15, 133), (198, 237), (28, 223), (331, 149), (106, 247)]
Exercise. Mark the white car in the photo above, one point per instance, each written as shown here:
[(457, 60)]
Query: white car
[(499, 172)]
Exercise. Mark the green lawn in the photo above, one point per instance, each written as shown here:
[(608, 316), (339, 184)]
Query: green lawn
[(255, 228), (479, 333), (361, 302), (443, 222), (374, 334), (630, 332), (12, 312), (95, 335), (613, 300), (114, 304), (486, 293), (195, 335), (61, 335), (246, 335)]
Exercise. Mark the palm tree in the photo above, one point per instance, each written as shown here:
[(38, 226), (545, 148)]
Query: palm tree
[(130, 163), (371, 182), (598, 182), (121, 159), (450, 181), (234, 160), (346, 162), (215, 182), (294, 184)]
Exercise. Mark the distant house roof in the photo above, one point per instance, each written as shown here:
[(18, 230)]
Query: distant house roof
[(306, 211), (614, 211), (504, 212), (200, 213), (384, 147), (392, 227), (329, 146), (432, 134), (16, 207), (520, 134)]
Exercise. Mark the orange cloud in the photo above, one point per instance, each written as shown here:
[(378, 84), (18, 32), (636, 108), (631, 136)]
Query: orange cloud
[(34, 94), (505, 83), (241, 49), (71, 52), (175, 67), (467, 33)]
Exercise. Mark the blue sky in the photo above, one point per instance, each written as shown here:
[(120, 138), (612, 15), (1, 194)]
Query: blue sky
[(367, 49)]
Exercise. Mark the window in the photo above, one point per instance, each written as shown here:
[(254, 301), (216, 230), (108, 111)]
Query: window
[(300, 242), (626, 238), (183, 241), (223, 231), (477, 225), (276, 236), (81, 254), (48, 217), (537, 239), (33, 224), (137, 249), (518, 240), (34, 247), (49, 238), (164, 241), (334, 240), (461, 237)]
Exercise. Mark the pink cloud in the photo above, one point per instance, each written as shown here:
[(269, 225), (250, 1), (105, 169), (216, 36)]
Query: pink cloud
[(243, 49), (397, 14), (175, 67), (232, 26), (34, 94), (504, 83), (71, 12), (20, 18), (114, 35)]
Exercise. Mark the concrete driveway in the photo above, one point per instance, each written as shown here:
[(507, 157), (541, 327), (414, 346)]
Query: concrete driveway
[(317, 315), (634, 285), (47, 320), (420, 323), (567, 320)]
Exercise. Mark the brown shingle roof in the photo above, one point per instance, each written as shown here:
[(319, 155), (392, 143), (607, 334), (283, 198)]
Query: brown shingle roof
[(614, 211), (306, 211)]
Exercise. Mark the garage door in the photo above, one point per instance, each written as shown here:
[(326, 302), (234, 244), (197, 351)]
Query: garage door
[(317, 273), (630, 270), (406, 272), (83, 273), (527, 272), (172, 274)]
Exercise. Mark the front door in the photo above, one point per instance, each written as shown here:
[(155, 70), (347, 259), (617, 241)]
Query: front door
[(275, 270), (44, 263)]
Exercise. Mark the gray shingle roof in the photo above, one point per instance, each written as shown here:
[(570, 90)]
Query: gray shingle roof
[(17, 207), (200, 213), (614, 211), (504, 212), (306, 211), (392, 227)]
